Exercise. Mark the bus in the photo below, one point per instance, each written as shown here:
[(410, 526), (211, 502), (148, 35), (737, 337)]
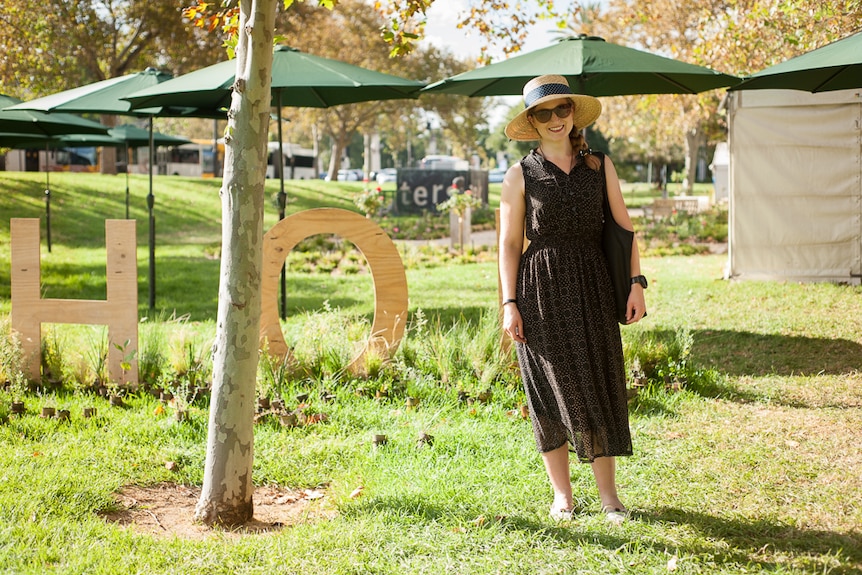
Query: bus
[(83, 159), (195, 159), (299, 163)]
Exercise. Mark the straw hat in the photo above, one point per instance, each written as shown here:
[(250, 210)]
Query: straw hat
[(543, 89)]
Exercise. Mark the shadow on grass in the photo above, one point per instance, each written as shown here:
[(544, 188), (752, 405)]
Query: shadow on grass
[(748, 542), (721, 541), (743, 353)]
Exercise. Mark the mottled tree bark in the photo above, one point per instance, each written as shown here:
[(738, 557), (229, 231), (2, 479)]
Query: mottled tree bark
[(226, 497), (694, 140)]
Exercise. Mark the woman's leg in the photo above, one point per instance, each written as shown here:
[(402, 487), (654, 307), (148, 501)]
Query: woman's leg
[(604, 470), (557, 466)]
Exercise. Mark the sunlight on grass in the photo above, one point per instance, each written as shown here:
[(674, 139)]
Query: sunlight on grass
[(746, 428)]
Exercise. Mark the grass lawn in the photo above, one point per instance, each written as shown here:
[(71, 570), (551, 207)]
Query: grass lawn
[(752, 465)]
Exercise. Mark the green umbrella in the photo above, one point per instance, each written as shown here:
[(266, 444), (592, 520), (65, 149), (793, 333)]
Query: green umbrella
[(592, 66), (15, 140), (299, 80), (105, 97), (836, 66), (124, 136), (18, 126), (127, 135), (39, 124), (102, 97), (135, 137)]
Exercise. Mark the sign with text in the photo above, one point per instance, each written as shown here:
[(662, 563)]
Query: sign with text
[(421, 190)]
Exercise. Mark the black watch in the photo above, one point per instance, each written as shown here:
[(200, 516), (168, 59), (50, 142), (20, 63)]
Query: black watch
[(640, 280)]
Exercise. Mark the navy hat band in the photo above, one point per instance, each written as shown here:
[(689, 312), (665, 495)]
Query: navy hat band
[(546, 90)]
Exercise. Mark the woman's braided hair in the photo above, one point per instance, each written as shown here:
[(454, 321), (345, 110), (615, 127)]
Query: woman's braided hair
[(580, 147)]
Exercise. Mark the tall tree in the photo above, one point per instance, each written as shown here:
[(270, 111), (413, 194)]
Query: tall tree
[(74, 42), (734, 36), (226, 497)]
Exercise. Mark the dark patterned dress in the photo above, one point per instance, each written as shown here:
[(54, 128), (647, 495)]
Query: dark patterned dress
[(572, 364)]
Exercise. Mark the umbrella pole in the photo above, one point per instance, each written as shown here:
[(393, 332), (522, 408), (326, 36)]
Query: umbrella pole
[(47, 198), (282, 204), (127, 182), (216, 165), (151, 200)]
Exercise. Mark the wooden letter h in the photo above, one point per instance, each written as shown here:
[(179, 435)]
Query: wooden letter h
[(119, 312)]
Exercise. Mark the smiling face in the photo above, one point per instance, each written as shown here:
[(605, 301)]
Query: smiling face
[(554, 127)]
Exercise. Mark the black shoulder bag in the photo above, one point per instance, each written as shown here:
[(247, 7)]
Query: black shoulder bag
[(617, 245)]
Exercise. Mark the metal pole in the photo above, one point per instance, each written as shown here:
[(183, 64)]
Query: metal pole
[(282, 202), (216, 165), (151, 200), (47, 197), (48, 217), (126, 148)]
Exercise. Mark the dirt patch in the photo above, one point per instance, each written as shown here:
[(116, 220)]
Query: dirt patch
[(167, 510)]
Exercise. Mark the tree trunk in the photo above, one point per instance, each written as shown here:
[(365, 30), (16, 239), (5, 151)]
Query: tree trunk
[(694, 139), (108, 154), (226, 497), (334, 161)]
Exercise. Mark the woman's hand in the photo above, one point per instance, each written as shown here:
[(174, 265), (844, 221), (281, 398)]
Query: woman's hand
[(636, 304), (513, 325)]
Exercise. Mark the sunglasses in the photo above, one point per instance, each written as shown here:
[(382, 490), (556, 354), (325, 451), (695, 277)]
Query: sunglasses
[(544, 116)]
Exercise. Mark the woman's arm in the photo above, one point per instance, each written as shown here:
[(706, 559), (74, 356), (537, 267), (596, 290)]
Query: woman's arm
[(512, 212)]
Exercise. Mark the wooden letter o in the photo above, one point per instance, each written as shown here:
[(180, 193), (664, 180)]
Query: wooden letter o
[(387, 274)]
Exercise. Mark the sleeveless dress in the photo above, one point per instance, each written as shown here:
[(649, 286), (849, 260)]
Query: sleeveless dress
[(572, 365)]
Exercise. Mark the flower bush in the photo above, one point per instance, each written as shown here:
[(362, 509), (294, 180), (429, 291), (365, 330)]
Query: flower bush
[(370, 201), (459, 202)]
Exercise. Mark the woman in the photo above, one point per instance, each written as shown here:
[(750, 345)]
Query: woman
[(557, 296)]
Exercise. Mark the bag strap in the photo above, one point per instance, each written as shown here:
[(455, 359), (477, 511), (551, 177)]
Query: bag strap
[(606, 206)]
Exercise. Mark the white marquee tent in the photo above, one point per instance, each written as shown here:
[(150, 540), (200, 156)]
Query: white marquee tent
[(795, 185)]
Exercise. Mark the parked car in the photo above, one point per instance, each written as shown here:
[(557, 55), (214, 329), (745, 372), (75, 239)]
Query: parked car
[(387, 175), (438, 162), (348, 176)]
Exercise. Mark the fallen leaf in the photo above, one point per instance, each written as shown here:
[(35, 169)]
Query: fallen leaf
[(479, 521), (171, 465), (315, 418), (357, 492), (313, 494), (159, 410), (671, 563)]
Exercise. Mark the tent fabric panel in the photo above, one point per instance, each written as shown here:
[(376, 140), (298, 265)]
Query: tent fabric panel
[(796, 186), (793, 98), (791, 128)]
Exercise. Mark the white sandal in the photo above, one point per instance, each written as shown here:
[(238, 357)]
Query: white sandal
[(614, 514), (558, 514)]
